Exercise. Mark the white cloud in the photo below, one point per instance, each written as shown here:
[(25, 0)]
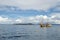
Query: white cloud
[(30, 4), (57, 21), (32, 19), (39, 18), (4, 20), (55, 15), (19, 20)]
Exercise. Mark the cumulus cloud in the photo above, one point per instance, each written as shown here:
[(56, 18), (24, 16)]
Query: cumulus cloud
[(4, 20), (39, 18), (53, 18), (19, 20), (30, 4), (57, 21), (55, 15)]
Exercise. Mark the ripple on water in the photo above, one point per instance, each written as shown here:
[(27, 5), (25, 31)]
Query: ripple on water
[(17, 36)]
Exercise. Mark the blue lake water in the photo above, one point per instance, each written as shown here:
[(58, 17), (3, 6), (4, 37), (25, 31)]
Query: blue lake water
[(29, 32)]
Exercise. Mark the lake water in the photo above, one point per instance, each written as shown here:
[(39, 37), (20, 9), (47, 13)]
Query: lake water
[(29, 32)]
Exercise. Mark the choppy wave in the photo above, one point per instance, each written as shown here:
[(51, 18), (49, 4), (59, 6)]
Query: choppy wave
[(17, 36)]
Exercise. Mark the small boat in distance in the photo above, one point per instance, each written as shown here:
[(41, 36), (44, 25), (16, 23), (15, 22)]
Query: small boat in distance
[(45, 24), (48, 25)]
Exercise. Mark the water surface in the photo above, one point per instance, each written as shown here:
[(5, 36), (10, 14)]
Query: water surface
[(29, 32)]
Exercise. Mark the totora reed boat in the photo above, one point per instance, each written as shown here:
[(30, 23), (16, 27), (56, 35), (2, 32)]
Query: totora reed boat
[(45, 24)]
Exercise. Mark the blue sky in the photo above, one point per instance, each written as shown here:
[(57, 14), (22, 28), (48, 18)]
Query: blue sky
[(29, 11)]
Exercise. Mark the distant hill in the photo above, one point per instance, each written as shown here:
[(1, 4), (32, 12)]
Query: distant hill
[(23, 24)]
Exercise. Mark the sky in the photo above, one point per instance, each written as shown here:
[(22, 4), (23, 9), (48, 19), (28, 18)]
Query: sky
[(29, 11)]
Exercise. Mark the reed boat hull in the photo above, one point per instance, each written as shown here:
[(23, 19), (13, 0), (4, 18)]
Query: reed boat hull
[(45, 25)]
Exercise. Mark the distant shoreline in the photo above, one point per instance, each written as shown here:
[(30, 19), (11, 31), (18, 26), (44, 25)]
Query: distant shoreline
[(31, 24), (24, 24)]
